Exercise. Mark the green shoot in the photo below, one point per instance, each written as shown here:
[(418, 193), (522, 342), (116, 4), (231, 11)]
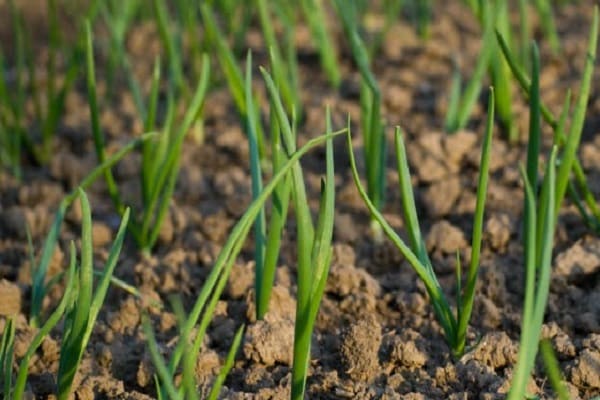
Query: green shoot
[(215, 283), (6, 356), (171, 44), (32, 132), (539, 225), (38, 287), (237, 18), (256, 175), (118, 15), (544, 8), (229, 361), (568, 144), (317, 23), (267, 245), (160, 159), (232, 72), (535, 132), (188, 17), (538, 262), (571, 144), (454, 326), (500, 74), (287, 13), (372, 127), (553, 370), (281, 71), (48, 110), (314, 245), (12, 128), (525, 34), (460, 107), (165, 382), (391, 10), (51, 322), (422, 16), (86, 302)]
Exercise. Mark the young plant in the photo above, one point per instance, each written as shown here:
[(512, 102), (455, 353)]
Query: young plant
[(391, 11), (454, 325), (160, 158), (567, 143), (48, 109), (422, 16), (165, 382), (553, 370), (39, 286), (86, 302), (317, 23), (11, 117), (544, 9), (172, 45), (267, 241), (539, 221), (80, 305), (539, 237), (499, 72), (18, 391), (6, 356), (314, 245), (32, 133), (237, 16), (232, 72), (539, 228), (117, 16), (460, 105), (188, 17), (285, 73), (201, 314), (372, 128)]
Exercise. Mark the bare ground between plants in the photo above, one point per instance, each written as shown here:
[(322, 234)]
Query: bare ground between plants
[(376, 336)]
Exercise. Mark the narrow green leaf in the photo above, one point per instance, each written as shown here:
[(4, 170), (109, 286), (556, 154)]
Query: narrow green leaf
[(572, 144), (168, 40), (227, 60), (521, 374), (409, 209), (165, 178), (553, 370), (522, 77), (162, 370), (548, 26), (214, 282), (21, 380), (73, 343), (107, 274), (7, 356), (148, 148), (317, 23), (320, 258), (438, 299), (471, 93), (536, 290), (216, 388), (256, 176), (453, 98), (466, 304), (280, 201), (95, 119)]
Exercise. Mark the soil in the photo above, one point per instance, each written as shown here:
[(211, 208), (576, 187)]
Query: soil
[(376, 336)]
